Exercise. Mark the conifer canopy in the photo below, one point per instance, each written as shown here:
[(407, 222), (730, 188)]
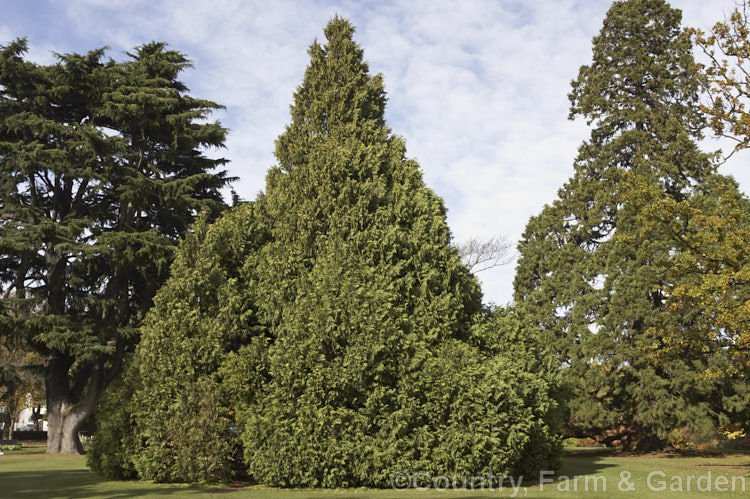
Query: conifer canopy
[(102, 169), (331, 324), (591, 272)]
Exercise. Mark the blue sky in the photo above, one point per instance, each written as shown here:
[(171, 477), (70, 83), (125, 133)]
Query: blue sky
[(477, 88)]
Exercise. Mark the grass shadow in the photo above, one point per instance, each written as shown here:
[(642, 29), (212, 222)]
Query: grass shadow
[(81, 484), (589, 461)]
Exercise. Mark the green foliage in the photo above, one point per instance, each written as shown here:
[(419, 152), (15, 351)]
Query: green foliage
[(187, 441), (479, 407), (484, 406), (332, 322), (101, 171), (364, 298), (114, 443), (707, 275), (178, 410), (589, 274)]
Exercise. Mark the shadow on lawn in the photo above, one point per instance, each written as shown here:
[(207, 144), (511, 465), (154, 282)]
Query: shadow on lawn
[(80, 484), (585, 462)]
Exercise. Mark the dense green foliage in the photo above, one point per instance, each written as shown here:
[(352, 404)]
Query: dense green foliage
[(332, 323), (171, 413), (706, 289), (101, 171), (592, 270), (359, 282), (110, 453)]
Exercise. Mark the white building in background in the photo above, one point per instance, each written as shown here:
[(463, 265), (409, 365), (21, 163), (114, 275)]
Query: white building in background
[(25, 421)]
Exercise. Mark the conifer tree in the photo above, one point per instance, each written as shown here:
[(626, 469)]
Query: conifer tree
[(169, 420), (707, 292), (588, 274), (358, 284), (721, 223), (336, 321), (361, 290), (101, 170), (709, 276)]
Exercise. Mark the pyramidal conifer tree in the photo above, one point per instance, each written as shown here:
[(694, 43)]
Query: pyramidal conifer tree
[(331, 323), (375, 365), (358, 284)]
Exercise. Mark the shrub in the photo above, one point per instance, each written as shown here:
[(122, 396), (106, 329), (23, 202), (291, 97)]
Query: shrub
[(114, 442)]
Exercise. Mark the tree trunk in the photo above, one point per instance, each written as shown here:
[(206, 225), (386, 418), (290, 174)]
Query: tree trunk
[(641, 442), (628, 438), (8, 420), (36, 416), (11, 406), (64, 415), (62, 430)]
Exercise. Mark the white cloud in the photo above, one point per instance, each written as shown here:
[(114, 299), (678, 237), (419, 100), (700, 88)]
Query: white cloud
[(477, 89)]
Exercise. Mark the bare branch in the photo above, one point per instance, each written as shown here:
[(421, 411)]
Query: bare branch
[(480, 254)]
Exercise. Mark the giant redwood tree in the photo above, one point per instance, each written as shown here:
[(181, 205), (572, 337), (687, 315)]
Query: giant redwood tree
[(101, 171), (589, 274)]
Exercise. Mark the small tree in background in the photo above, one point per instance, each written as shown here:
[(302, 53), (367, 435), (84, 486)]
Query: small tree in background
[(21, 383), (484, 253)]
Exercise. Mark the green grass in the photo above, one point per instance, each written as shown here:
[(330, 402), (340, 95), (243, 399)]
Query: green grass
[(31, 473)]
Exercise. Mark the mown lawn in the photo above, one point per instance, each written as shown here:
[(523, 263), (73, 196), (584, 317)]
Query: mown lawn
[(31, 473)]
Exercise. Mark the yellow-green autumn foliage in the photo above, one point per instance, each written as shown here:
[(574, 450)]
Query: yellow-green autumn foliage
[(707, 286), (727, 80)]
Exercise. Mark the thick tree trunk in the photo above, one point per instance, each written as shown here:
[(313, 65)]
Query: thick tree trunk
[(628, 438), (62, 431), (65, 415), (641, 442)]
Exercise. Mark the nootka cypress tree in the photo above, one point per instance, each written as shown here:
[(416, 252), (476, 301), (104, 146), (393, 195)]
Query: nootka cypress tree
[(169, 420), (588, 274), (357, 285), (365, 299), (329, 327)]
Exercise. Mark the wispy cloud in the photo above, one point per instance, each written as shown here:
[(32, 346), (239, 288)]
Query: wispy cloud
[(477, 89)]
